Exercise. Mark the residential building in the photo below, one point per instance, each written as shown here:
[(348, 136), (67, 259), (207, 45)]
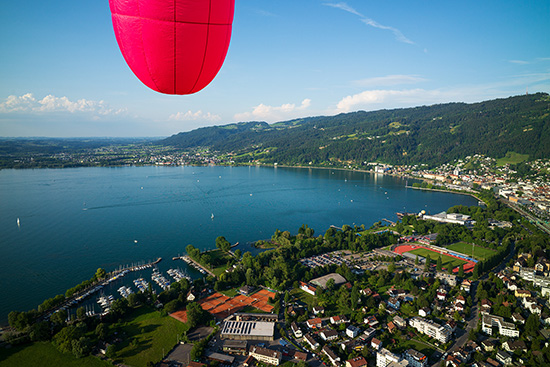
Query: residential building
[(425, 311), (431, 328), (399, 322), (384, 357), (505, 328), (329, 335), (334, 359), (352, 331), (308, 288), (338, 320), (317, 310), (311, 341), (465, 286), (266, 355), (504, 358), (415, 358), (394, 303), (376, 344), (356, 362), (314, 323), (296, 330)]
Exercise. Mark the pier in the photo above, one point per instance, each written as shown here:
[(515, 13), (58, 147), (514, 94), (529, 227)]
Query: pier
[(137, 267), (194, 264)]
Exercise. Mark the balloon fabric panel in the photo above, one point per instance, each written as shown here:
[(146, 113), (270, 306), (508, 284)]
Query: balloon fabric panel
[(173, 46)]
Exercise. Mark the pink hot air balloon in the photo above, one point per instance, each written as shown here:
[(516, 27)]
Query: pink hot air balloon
[(173, 46)]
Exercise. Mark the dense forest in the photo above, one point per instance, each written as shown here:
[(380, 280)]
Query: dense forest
[(427, 134)]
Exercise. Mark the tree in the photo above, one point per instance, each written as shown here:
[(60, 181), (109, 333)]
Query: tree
[(532, 325), (40, 331), (439, 265), (238, 253), (101, 331), (223, 244), (195, 315), (461, 271), (100, 273), (416, 260), (80, 313), (428, 263), (59, 317)]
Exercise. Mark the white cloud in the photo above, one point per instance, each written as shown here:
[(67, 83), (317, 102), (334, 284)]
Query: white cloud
[(27, 103), (371, 22), (389, 80), (370, 99), (520, 62), (194, 116), (274, 113)]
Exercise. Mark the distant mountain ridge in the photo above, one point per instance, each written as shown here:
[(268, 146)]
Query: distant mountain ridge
[(427, 134)]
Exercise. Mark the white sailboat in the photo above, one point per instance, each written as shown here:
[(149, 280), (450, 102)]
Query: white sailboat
[(18, 223), (212, 216)]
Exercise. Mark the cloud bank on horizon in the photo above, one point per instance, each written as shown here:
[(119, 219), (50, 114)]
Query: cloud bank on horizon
[(287, 60)]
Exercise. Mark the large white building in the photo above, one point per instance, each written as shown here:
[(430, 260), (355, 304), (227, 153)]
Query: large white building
[(415, 358), (384, 357), (248, 330), (432, 329), (504, 328), (268, 356), (456, 218)]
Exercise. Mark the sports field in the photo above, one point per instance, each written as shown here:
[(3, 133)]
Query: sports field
[(480, 253), (447, 260), (221, 306)]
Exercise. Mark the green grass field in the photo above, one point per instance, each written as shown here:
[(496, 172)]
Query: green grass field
[(512, 158), (480, 253), (447, 260), (44, 354), (148, 336)]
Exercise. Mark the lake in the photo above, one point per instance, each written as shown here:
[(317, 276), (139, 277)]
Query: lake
[(57, 226)]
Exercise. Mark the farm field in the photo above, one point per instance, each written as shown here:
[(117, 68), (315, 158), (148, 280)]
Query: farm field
[(512, 158), (480, 253), (448, 261)]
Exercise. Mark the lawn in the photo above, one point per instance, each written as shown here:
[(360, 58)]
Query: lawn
[(230, 292), (447, 260), (480, 253), (44, 354), (421, 347), (149, 335), (512, 158), (301, 295), (219, 261)]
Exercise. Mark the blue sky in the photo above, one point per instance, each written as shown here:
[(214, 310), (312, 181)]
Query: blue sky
[(62, 74)]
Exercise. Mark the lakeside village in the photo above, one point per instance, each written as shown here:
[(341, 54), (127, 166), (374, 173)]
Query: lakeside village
[(470, 288)]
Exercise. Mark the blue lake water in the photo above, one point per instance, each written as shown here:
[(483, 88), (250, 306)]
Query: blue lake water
[(73, 221)]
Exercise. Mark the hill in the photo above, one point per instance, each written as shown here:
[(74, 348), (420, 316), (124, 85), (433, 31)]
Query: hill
[(427, 134)]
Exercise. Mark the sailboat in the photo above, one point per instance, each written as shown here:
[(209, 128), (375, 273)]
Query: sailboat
[(212, 216), (18, 223)]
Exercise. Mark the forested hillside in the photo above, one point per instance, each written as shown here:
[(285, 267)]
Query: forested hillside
[(427, 134)]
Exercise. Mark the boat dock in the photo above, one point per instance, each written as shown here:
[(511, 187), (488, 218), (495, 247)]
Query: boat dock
[(194, 264), (134, 267)]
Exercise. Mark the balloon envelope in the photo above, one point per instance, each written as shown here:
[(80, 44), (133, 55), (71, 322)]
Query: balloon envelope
[(173, 46)]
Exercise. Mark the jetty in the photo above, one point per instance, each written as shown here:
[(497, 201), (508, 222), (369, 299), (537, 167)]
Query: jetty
[(136, 267), (194, 264)]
